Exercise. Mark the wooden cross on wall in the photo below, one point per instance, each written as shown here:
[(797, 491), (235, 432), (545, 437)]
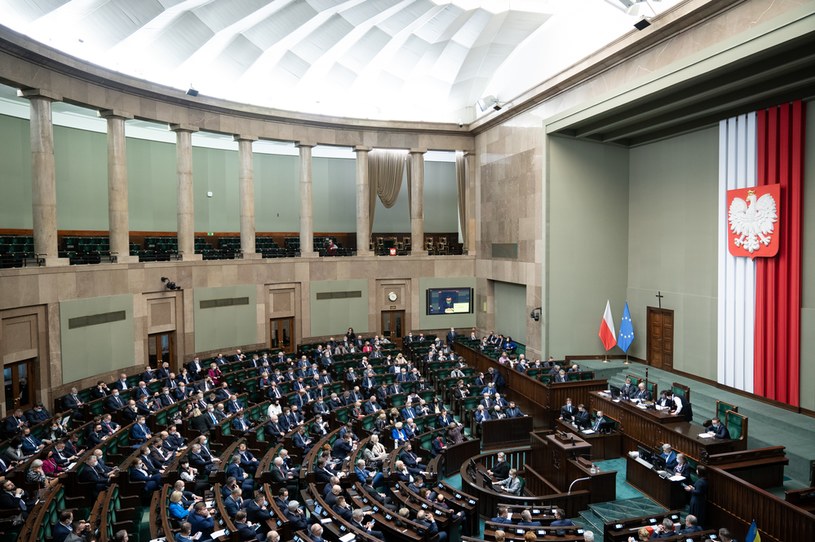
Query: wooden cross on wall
[(659, 297)]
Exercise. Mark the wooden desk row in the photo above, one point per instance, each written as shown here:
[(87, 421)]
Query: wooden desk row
[(653, 428), (547, 397)]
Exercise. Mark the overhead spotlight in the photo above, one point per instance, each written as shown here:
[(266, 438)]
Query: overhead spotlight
[(192, 92), (489, 102), (643, 23), (170, 285)]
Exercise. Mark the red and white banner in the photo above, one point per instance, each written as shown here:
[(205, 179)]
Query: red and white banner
[(759, 313)]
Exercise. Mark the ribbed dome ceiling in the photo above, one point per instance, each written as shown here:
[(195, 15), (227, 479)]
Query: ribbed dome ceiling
[(384, 59)]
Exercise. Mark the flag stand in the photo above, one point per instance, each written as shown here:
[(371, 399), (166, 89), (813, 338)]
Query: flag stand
[(626, 362)]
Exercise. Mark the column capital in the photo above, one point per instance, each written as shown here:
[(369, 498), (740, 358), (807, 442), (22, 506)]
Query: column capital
[(417, 151), (309, 144), (183, 128), (114, 114), (241, 137), (362, 148), (39, 93)]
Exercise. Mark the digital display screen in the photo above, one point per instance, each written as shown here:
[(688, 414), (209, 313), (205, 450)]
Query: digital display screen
[(449, 300)]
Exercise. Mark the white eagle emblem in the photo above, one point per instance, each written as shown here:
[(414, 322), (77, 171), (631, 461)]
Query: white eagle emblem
[(752, 220)]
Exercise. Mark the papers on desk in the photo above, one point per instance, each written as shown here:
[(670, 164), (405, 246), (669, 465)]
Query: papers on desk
[(347, 537), (325, 520), (209, 504), (219, 534), (588, 431), (676, 478), (706, 435), (642, 406)]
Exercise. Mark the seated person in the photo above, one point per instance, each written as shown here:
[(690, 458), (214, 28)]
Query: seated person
[(526, 520), (664, 530), (628, 390), (581, 419), (568, 411), (691, 525), (669, 456), (642, 394), (681, 467), (718, 429), (560, 521), (512, 484), (500, 470)]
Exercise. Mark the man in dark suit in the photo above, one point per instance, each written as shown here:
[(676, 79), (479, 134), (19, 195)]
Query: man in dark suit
[(581, 419), (502, 517), (451, 336), (245, 531), (500, 470), (14, 498), (258, 512), (63, 527), (138, 473), (234, 502), (567, 411), (559, 521), (201, 521), (194, 367), (356, 520), (38, 414), (90, 475), (526, 520), (718, 429), (296, 516), (114, 402), (428, 521)]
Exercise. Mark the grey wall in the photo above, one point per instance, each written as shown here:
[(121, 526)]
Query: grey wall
[(223, 327), (808, 271), (81, 165), (397, 218), (96, 349), (151, 186), (334, 192), (673, 244), (588, 247), (511, 310), (277, 200), (15, 173), (335, 316), (215, 170), (437, 321), (440, 198)]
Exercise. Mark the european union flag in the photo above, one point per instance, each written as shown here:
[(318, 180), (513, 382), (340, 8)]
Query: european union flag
[(626, 336)]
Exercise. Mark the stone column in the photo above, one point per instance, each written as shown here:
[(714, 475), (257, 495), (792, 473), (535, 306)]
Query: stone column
[(363, 200), (417, 201), (185, 206), (469, 174), (246, 187), (43, 176), (306, 204), (118, 223)]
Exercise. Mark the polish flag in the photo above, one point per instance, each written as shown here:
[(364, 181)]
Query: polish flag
[(607, 333)]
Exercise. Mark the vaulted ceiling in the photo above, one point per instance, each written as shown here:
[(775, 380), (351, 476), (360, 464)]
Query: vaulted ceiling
[(380, 59)]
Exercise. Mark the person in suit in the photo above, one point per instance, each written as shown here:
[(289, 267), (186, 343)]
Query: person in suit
[(664, 530), (454, 435), (512, 411), (138, 473), (512, 484), (121, 384), (114, 402), (257, 511), (725, 536), (642, 394), (438, 445), (503, 516), (245, 530), (568, 411), (90, 475), (234, 469), (140, 433), (581, 418), (367, 477), (316, 531), (64, 527), (481, 414), (14, 424), (234, 502), (559, 521), (599, 421), (628, 390), (669, 455), (296, 516), (411, 460), (526, 520), (177, 510), (718, 429), (665, 400), (691, 525), (681, 467), (357, 517), (201, 520), (698, 495), (444, 419), (185, 533), (38, 414), (500, 470), (451, 336)]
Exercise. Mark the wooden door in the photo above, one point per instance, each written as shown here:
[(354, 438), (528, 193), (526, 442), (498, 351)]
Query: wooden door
[(393, 326), (161, 348), (661, 338), (19, 379), (281, 333)]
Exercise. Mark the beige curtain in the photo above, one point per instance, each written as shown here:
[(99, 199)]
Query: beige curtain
[(386, 169), (461, 183)]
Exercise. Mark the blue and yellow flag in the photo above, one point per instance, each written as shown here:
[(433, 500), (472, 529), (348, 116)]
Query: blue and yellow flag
[(626, 336), (752, 533)]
